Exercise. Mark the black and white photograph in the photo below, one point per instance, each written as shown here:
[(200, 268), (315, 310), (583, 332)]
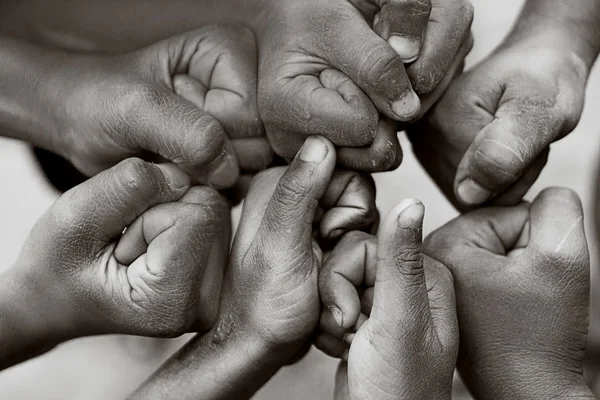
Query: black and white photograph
[(299, 199)]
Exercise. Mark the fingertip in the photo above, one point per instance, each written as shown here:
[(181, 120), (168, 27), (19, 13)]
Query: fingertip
[(174, 176), (226, 173), (409, 213), (314, 150), (471, 193), (407, 107), (408, 49)]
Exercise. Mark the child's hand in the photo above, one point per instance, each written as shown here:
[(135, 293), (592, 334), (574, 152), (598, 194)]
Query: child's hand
[(394, 307), (488, 137), (331, 67), (78, 275), (166, 101), (522, 289)]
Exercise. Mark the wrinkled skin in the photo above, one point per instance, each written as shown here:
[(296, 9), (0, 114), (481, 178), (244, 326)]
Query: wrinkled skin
[(161, 278), (275, 247), (176, 100), (522, 287), (488, 137), (389, 313), (344, 69)]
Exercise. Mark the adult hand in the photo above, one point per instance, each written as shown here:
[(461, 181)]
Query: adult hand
[(522, 288), (394, 307), (78, 275)]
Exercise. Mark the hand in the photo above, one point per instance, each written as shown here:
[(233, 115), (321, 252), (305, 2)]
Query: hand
[(488, 137), (275, 247), (522, 288), (167, 100), (79, 275), (325, 70), (394, 307), (270, 301)]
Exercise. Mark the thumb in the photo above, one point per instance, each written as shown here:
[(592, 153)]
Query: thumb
[(400, 300), (290, 213), (557, 230), (110, 201)]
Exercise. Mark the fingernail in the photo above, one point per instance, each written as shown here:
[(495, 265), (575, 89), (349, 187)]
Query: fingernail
[(314, 150), (408, 106), (412, 215), (406, 48), (337, 315), (225, 174), (470, 192), (349, 337), (176, 178)]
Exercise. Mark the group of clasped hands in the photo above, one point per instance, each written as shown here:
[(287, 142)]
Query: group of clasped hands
[(173, 109)]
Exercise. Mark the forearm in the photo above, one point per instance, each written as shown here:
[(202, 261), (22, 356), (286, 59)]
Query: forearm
[(95, 25), (219, 365), (29, 94), (572, 25), (27, 328)]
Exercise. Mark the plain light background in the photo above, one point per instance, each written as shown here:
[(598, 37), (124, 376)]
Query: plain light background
[(111, 367)]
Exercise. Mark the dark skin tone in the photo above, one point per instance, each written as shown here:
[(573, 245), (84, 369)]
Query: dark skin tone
[(270, 302), (522, 287), (487, 139), (345, 69), (177, 100), (162, 277)]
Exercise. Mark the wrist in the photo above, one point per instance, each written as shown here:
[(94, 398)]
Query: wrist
[(30, 96), (31, 323), (572, 29)]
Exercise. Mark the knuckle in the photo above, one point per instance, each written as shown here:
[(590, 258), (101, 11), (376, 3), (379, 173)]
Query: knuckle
[(382, 68), (498, 166), (137, 175)]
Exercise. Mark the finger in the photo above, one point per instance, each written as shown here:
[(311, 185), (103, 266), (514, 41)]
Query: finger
[(430, 98), (442, 302), (219, 76), (383, 154), (290, 212), (400, 301), (252, 154), (344, 271), (494, 229), (446, 41), (327, 103), (521, 130), (211, 280), (110, 201), (330, 345), (515, 193), (180, 237), (350, 205), (374, 65), (557, 229), (176, 130), (403, 24), (134, 242)]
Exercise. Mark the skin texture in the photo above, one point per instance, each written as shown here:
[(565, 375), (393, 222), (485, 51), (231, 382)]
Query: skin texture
[(389, 312), (176, 100), (343, 69), (488, 137), (78, 275), (522, 287), (270, 301)]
